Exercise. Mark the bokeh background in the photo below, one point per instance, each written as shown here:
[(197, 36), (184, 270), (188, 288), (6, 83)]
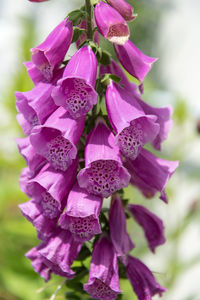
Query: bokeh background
[(165, 29)]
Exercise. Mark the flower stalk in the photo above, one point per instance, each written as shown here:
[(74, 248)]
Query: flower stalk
[(88, 8)]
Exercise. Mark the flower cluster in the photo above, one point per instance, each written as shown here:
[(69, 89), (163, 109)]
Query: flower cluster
[(76, 156)]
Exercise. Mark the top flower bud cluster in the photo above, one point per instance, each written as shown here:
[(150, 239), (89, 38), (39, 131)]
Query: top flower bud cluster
[(58, 117)]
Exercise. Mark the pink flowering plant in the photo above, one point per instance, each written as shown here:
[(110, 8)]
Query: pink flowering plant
[(80, 159)]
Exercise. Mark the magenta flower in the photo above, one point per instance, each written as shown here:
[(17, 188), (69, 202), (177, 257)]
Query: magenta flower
[(34, 160), (163, 115), (152, 225), (150, 173), (133, 127), (60, 251), (38, 263), (124, 8), (33, 104), (103, 280), (75, 91), (44, 266), (33, 212), (81, 216), (56, 139), (50, 188), (48, 56), (111, 24), (103, 173), (117, 223), (142, 280), (133, 60)]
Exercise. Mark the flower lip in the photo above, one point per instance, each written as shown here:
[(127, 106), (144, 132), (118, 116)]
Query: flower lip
[(103, 177), (76, 95)]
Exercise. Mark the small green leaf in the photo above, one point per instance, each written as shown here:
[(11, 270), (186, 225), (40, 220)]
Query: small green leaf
[(105, 58), (115, 78), (77, 33), (76, 16)]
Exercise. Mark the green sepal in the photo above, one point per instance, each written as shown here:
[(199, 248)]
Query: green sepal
[(76, 16), (105, 58), (77, 33), (122, 270), (75, 285)]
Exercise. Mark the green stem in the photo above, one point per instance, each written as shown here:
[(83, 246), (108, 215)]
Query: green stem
[(88, 8)]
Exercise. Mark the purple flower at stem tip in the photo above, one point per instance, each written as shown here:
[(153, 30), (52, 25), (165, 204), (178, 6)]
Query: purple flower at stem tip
[(103, 280), (152, 225), (111, 24), (150, 173), (104, 173), (81, 216), (133, 60), (142, 279), (117, 223), (124, 8), (75, 92), (133, 127), (48, 55), (56, 139)]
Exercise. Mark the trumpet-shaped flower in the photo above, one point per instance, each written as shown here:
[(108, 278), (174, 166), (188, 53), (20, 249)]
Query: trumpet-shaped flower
[(111, 24), (75, 91), (103, 173)]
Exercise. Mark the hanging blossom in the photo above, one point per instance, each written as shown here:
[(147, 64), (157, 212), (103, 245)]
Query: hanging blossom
[(79, 159)]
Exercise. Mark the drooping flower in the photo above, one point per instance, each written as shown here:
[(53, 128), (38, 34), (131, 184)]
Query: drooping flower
[(61, 250), (103, 280), (152, 225), (33, 212), (38, 263), (50, 188), (48, 55), (33, 159), (117, 223), (133, 60), (133, 127), (111, 24), (81, 216), (124, 8), (75, 91), (150, 173), (142, 279), (163, 115), (33, 104), (103, 173), (56, 139)]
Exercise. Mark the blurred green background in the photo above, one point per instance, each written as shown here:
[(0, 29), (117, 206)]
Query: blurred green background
[(176, 264)]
